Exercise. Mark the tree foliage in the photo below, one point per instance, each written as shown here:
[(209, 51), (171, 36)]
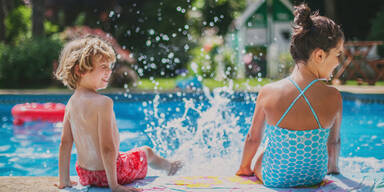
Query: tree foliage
[(377, 30)]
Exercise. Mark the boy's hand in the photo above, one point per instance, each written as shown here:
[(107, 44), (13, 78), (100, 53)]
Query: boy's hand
[(244, 172), (122, 188), (62, 186)]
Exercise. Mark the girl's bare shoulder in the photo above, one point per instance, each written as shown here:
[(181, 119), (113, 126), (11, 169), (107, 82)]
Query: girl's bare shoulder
[(274, 87)]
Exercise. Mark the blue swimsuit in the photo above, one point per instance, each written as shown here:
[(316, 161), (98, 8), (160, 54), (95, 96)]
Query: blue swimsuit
[(295, 158)]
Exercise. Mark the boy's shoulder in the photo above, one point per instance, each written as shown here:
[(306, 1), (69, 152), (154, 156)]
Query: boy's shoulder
[(101, 101), (93, 101)]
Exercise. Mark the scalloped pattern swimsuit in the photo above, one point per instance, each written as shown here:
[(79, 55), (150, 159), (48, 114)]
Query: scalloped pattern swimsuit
[(295, 158)]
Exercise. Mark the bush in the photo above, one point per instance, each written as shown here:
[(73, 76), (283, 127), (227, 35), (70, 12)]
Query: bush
[(28, 64), (229, 61), (203, 61), (286, 65)]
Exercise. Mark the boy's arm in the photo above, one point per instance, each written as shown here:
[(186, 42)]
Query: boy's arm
[(107, 140), (333, 143), (253, 139), (65, 154), (108, 144)]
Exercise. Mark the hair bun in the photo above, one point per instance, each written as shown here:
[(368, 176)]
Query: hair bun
[(303, 16)]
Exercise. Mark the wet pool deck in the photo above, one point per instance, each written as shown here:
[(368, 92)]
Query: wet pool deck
[(193, 183), (21, 184)]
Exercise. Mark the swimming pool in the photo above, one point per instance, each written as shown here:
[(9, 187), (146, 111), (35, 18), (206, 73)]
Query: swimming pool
[(205, 129)]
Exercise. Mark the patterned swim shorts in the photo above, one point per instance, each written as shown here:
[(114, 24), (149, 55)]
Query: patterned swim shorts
[(130, 166)]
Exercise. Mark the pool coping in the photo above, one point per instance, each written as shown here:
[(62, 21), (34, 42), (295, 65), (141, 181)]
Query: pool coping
[(363, 89), (28, 183)]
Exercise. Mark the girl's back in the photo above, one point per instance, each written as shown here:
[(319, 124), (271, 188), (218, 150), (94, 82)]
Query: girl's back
[(278, 96), (300, 117)]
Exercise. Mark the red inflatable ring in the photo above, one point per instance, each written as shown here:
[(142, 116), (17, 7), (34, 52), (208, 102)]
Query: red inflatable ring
[(52, 112)]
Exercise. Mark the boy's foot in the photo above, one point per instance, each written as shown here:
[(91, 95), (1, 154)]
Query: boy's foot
[(175, 166)]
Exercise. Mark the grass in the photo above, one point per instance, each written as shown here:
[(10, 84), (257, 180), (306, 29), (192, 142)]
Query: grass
[(170, 84), (238, 84), (160, 84), (350, 82)]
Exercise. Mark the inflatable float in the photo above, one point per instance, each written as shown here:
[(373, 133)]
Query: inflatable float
[(51, 112)]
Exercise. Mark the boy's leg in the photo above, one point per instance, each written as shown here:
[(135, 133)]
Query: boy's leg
[(157, 162)]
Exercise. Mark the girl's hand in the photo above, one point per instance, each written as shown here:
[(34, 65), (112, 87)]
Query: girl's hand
[(245, 172), (333, 171), (62, 186)]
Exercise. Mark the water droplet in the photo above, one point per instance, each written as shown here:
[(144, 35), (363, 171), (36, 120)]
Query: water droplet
[(165, 37), (111, 13), (151, 31), (148, 43)]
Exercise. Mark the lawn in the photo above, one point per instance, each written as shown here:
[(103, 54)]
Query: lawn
[(170, 84), (378, 83), (161, 84)]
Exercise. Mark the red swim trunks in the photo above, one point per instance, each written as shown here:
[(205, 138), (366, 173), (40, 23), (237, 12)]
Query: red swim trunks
[(130, 165)]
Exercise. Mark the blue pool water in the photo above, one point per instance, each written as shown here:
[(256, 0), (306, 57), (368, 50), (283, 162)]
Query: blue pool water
[(206, 130)]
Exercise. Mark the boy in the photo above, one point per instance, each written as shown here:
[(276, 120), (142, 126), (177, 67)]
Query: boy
[(89, 121)]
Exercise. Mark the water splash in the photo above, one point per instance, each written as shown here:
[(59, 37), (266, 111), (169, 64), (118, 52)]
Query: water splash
[(214, 136), (207, 136)]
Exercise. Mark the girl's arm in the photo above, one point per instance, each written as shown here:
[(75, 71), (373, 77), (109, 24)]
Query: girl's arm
[(65, 154), (254, 138), (333, 143)]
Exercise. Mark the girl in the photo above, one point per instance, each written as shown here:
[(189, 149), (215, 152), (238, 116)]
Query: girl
[(302, 114)]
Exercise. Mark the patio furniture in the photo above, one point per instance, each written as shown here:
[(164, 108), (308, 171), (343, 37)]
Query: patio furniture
[(356, 53), (378, 67)]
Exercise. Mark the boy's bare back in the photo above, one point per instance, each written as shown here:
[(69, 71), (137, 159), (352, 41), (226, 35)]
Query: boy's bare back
[(86, 114)]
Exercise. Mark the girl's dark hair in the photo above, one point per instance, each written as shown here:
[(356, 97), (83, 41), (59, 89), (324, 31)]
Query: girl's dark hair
[(311, 31)]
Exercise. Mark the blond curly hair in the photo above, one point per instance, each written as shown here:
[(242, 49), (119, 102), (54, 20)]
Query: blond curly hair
[(80, 52)]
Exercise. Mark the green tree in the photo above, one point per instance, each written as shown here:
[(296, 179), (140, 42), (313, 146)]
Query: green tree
[(377, 30), (38, 18), (18, 24), (217, 13)]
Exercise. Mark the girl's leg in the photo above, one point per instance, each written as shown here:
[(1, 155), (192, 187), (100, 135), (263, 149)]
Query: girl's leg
[(157, 162), (257, 169)]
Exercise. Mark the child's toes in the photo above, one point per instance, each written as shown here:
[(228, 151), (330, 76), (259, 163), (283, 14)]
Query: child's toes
[(175, 166)]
